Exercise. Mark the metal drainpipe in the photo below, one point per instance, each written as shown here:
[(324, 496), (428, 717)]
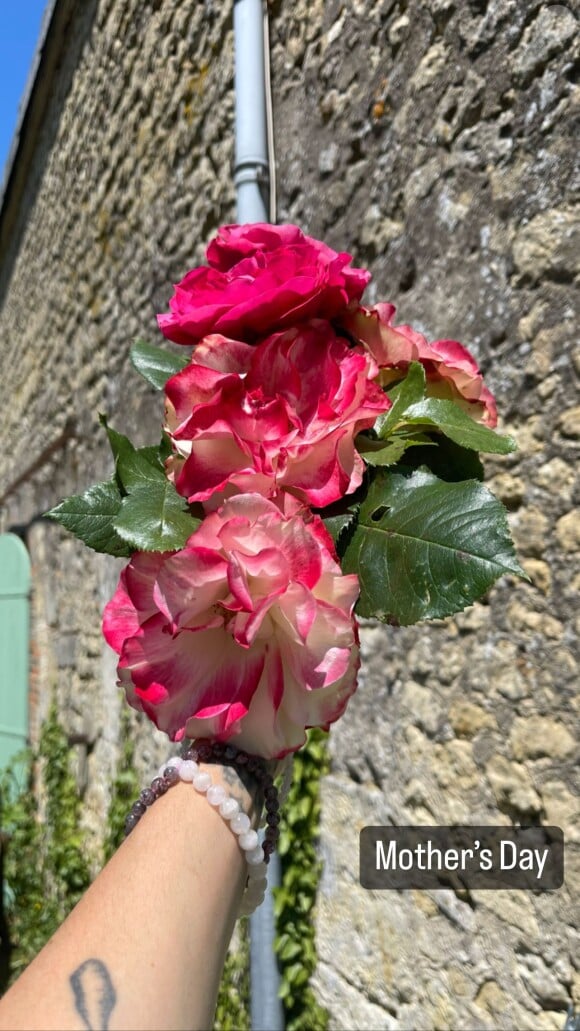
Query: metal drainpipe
[(251, 177), (251, 174)]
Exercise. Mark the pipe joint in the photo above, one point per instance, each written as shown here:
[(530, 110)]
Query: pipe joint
[(252, 170)]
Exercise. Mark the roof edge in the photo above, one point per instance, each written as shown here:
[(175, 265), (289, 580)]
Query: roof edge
[(35, 100)]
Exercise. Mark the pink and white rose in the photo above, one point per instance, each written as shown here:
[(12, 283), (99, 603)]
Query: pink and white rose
[(246, 634), (452, 373), (261, 278), (282, 414)]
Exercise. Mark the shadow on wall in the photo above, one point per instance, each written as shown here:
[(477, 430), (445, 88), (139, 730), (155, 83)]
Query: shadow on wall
[(60, 51)]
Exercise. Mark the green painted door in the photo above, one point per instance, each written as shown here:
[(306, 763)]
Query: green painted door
[(14, 645)]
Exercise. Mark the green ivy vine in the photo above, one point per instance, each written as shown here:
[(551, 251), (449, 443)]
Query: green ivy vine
[(125, 787), (46, 871), (296, 896), (45, 866), (233, 1004)]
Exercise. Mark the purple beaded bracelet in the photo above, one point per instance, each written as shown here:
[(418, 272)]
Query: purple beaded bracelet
[(185, 768)]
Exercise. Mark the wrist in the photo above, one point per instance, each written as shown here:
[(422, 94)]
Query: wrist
[(239, 785), (246, 778), (236, 785)]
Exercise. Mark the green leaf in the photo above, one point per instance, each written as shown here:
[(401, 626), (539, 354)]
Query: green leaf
[(154, 364), (120, 444), (304, 808), (425, 548), (165, 449), (284, 843), (152, 454), (140, 467), (456, 424), (90, 516), (340, 519), (290, 950), (285, 992), (337, 524), (377, 452), (447, 460), (405, 393), (154, 517), (134, 467)]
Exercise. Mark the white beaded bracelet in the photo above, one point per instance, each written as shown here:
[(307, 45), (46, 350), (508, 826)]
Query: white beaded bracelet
[(188, 770), (239, 824)]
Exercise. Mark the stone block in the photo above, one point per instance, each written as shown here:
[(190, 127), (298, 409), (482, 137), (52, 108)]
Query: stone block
[(458, 196)]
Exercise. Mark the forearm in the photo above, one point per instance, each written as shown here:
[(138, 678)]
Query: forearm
[(144, 948)]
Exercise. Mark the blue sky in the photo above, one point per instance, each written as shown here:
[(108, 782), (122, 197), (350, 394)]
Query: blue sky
[(20, 22)]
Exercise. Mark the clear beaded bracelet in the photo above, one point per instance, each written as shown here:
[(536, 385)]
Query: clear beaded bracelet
[(186, 768)]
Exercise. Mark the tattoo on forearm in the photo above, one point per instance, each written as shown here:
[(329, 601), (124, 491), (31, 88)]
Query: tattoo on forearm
[(94, 994)]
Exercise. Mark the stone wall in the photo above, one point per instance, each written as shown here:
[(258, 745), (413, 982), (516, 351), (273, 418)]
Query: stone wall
[(437, 142), (131, 175)]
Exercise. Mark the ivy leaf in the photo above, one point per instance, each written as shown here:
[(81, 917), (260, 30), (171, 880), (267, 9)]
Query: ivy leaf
[(154, 517), (456, 424), (154, 364), (408, 392), (289, 950), (424, 548), (90, 517)]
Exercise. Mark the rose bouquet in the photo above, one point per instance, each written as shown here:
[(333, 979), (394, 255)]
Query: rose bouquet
[(316, 461)]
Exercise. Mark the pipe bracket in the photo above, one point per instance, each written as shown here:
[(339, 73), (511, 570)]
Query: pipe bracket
[(253, 171)]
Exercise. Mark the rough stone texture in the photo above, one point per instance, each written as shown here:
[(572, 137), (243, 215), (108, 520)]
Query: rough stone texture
[(438, 142), (132, 175), (456, 177)]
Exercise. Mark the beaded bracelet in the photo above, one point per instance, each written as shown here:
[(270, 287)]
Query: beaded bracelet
[(186, 769)]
